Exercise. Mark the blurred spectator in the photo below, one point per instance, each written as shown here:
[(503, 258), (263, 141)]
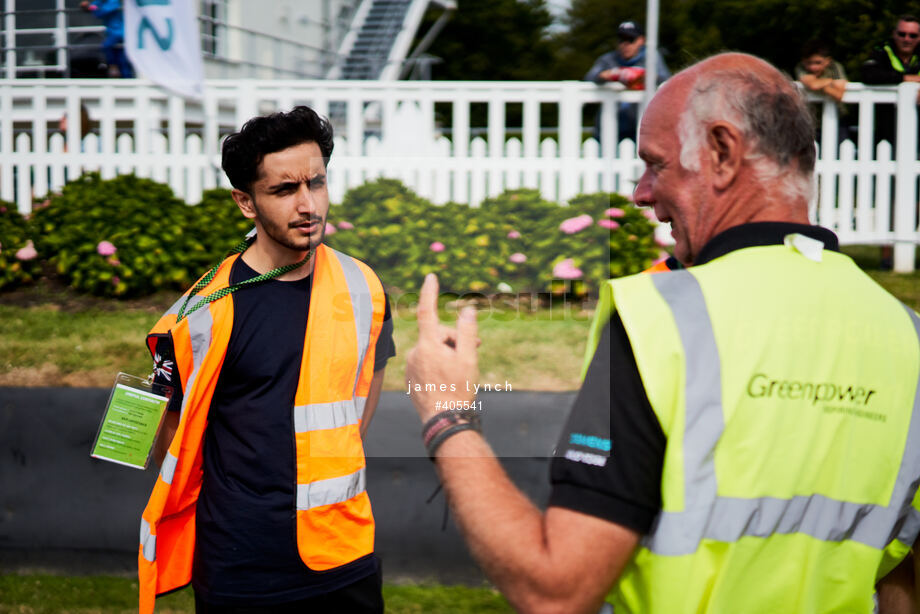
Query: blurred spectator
[(896, 60), (892, 63), (626, 64), (109, 11), (819, 72), (86, 124)]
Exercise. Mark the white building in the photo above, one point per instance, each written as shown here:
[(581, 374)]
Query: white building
[(262, 39)]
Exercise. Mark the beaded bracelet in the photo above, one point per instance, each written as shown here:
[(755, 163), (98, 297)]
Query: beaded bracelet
[(447, 433), (446, 424)]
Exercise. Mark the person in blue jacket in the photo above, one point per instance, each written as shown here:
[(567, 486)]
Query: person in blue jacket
[(626, 65), (109, 11)]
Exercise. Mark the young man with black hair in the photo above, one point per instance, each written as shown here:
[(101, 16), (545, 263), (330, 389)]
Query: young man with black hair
[(277, 357)]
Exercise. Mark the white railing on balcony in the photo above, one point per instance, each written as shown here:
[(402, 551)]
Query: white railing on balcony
[(449, 141)]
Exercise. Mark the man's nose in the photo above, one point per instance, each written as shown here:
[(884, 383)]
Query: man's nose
[(304, 199), (642, 193)]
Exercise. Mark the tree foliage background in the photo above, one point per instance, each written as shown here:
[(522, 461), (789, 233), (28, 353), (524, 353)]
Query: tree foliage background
[(509, 39)]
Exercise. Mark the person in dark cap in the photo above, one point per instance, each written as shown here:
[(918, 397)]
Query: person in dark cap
[(626, 65)]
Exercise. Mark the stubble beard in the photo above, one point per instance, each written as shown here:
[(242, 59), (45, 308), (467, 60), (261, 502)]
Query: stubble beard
[(281, 234)]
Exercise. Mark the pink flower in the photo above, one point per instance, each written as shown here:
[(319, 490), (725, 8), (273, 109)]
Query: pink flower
[(27, 253), (437, 246), (517, 258), (330, 229), (114, 261), (346, 225), (608, 224), (105, 248), (614, 212), (514, 234), (649, 215), (116, 280), (576, 224), (2, 209), (566, 270)]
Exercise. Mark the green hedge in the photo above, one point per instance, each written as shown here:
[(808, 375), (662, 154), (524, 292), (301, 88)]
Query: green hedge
[(158, 241), (19, 262), (130, 236), (395, 229)]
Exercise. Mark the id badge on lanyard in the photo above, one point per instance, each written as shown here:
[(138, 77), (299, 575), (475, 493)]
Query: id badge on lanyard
[(132, 420)]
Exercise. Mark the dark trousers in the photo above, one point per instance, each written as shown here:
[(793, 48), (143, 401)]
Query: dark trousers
[(362, 597)]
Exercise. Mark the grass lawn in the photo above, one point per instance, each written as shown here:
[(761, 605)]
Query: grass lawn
[(43, 594), (50, 337)]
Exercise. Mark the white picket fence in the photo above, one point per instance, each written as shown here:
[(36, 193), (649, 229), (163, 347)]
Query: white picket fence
[(448, 141)]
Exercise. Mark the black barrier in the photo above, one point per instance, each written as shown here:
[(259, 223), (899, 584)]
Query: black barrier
[(62, 511)]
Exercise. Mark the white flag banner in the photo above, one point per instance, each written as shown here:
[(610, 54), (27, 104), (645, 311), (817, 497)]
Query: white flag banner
[(163, 43)]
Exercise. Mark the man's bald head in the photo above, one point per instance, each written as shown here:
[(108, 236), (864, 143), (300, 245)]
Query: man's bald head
[(726, 142), (764, 105)]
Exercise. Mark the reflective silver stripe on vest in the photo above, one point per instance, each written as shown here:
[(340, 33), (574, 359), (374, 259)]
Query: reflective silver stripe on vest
[(362, 305), (727, 519), (199, 332), (174, 309), (148, 542), (333, 490), (360, 402), (319, 416), (169, 468)]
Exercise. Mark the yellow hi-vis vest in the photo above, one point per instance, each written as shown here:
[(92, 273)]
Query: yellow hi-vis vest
[(334, 521), (788, 393)]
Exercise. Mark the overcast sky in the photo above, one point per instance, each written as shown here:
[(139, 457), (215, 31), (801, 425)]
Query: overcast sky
[(557, 8)]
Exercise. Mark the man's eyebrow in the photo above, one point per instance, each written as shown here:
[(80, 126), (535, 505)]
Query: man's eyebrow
[(282, 185)]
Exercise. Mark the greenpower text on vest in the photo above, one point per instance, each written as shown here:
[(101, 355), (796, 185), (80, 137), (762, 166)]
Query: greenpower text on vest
[(762, 386)]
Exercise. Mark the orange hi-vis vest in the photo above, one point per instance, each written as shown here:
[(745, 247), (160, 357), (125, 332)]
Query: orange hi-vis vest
[(334, 521)]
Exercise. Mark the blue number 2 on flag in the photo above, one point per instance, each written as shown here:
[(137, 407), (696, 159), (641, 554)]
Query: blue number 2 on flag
[(164, 42)]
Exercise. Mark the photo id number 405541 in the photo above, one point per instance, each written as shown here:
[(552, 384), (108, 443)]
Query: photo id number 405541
[(450, 405)]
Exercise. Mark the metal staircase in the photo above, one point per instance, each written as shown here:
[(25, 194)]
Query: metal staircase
[(381, 34)]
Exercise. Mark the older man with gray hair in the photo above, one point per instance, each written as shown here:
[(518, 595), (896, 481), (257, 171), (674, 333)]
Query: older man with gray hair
[(747, 436)]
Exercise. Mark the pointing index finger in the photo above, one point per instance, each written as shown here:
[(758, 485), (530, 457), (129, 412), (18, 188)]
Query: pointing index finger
[(427, 312), (466, 332)]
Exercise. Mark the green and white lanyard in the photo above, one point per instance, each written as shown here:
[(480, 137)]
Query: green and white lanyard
[(185, 311)]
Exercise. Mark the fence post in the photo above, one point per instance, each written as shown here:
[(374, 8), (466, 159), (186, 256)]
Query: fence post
[(828, 214), (7, 159), (9, 26), (569, 140), (496, 133), (905, 199)]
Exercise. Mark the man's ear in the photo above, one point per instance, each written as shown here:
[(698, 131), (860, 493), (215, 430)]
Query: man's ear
[(726, 150), (244, 202)]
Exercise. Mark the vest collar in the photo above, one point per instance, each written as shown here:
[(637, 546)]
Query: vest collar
[(896, 61), (758, 234)]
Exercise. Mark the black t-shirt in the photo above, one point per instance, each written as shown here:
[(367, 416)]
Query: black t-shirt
[(610, 456), (246, 548)]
